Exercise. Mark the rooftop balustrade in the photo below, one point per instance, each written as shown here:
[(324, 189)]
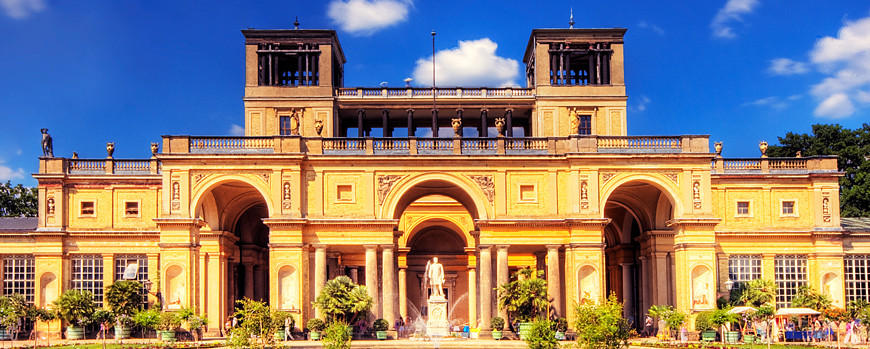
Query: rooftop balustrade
[(766, 165), (426, 93)]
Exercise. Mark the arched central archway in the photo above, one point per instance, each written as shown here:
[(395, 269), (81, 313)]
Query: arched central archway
[(639, 245), (233, 210)]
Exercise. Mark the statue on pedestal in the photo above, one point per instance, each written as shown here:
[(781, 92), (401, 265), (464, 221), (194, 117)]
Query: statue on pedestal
[(47, 147), (435, 274), (437, 324)]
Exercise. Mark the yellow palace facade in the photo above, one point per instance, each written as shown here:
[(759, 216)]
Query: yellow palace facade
[(372, 182)]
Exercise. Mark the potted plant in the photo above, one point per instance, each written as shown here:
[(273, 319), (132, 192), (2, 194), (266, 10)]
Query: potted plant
[(525, 297), (343, 301), (147, 319), (497, 324), (123, 299), (196, 323), (76, 308), (316, 326), (279, 319), (169, 323), (561, 327), (380, 326), (720, 317), (702, 324)]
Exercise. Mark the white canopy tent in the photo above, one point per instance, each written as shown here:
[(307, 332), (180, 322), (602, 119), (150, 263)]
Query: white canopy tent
[(795, 312)]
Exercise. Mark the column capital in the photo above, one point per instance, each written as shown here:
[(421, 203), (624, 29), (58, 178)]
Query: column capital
[(371, 247), (642, 258), (502, 247), (319, 247), (626, 265), (484, 247), (553, 247), (484, 110), (388, 247), (409, 111)]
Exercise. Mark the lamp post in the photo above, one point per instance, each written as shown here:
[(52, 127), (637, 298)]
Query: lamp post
[(729, 284)]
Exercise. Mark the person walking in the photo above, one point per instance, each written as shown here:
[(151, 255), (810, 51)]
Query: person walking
[(647, 326), (400, 327)]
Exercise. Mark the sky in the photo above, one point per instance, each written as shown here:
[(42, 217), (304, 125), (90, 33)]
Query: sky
[(129, 71)]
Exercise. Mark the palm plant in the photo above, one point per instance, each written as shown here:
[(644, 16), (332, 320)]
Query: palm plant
[(525, 297), (754, 293), (75, 307), (807, 297), (343, 301), (124, 300)]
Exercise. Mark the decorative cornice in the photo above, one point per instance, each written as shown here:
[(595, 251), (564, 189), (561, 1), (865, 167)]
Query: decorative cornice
[(390, 223), (519, 222), (595, 245), (693, 221), (284, 222), (573, 222), (179, 222)]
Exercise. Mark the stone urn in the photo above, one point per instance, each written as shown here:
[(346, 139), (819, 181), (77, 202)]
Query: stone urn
[(110, 149), (499, 126), (318, 126), (718, 147), (154, 148), (763, 147)]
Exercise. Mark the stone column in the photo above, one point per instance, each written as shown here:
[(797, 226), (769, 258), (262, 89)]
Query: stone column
[(354, 274), (410, 122), (389, 280), (319, 268), (403, 292), (644, 284), (249, 280), (485, 286), (627, 290), (472, 286), (372, 277), (554, 279), (502, 273), (509, 122), (360, 115), (385, 123), (483, 128)]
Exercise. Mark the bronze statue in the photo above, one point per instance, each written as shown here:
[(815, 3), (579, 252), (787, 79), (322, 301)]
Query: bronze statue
[(47, 148)]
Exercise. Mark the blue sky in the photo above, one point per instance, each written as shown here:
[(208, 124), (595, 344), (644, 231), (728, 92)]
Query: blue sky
[(129, 71)]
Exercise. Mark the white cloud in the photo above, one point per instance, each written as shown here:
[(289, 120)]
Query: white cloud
[(642, 103), (364, 17), (20, 9), (8, 174), (785, 66), (658, 30), (733, 11), (846, 61), (472, 64), (772, 102), (236, 130), (838, 105)]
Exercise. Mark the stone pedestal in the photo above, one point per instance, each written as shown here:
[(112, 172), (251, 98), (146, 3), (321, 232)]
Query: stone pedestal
[(437, 324)]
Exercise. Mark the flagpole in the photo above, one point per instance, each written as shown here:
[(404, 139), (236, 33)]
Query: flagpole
[(434, 110)]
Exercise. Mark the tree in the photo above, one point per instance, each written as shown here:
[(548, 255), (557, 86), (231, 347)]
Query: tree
[(807, 297), (18, 201), (754, 293), (602, 325), (343, 301), (256, 329), (525, 298), (853, 150), (124, 300), (75, 307)]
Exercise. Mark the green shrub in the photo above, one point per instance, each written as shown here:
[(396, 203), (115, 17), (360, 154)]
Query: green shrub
[(497, 323), (601, 325), (524, 298), (256, 323), (75, 307), (169, 321), (562, 325), (316, 325), (343, 301), (123, 298), (147, 319), (336, 336), (542, 335), (278, 318), (702, 321), (380, 325)]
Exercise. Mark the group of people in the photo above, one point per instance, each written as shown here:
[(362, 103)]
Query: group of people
[(403, 326)]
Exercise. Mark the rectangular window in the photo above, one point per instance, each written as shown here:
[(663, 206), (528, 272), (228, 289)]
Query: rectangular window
[(87, 275), (788, 208), (88, 208), (18, 276), (344, 193), (743, 208), (528, 193), (743, 268), (790, 272), (284, 120), (138, 263), (585, 125), (131, 208), (577, 64), (857, 267)]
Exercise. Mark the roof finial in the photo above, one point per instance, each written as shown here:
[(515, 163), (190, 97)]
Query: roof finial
[(571, 23), (296, 23)]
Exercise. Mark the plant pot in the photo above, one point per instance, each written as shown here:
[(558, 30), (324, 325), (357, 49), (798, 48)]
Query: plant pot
[(560, 336), (732, 336), (496, 335), (122, 332), (315, 335), (75, 332), (525, 329), (381, 335), (708, 336), (748, 338), (167, 336), (5, 334), (279, 335)]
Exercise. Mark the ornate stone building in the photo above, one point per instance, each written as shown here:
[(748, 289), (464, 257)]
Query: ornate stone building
[(372, 182)]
